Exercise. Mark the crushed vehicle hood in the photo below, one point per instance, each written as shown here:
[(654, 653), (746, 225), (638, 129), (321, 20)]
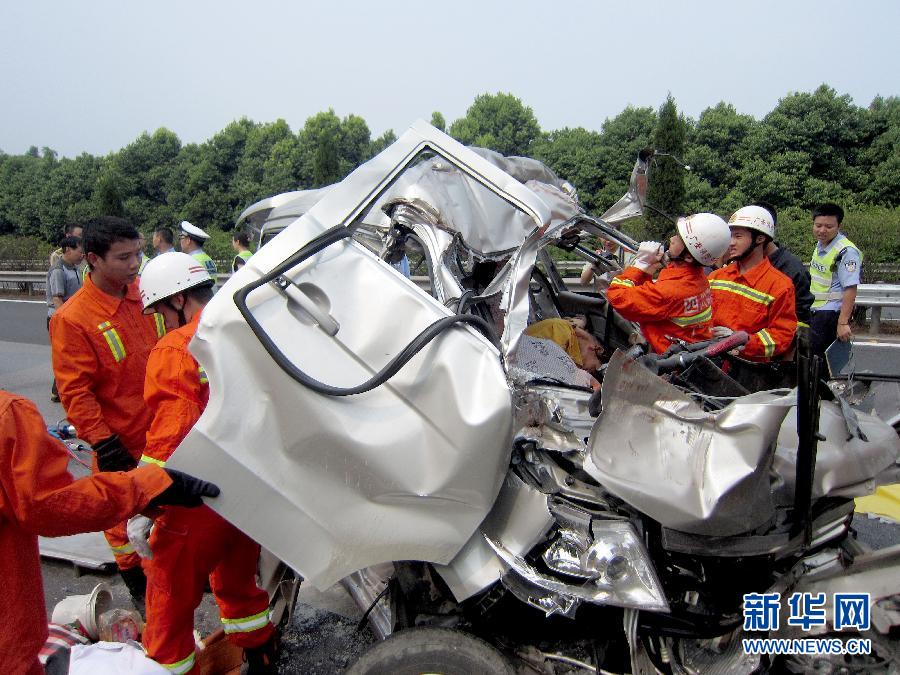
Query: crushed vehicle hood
[(720, 473)]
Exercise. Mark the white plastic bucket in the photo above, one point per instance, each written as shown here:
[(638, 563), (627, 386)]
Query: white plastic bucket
[(84, 608)]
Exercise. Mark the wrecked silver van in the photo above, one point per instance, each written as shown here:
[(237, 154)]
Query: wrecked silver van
[(368, 430)]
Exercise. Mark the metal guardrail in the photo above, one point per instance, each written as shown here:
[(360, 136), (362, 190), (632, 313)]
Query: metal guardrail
[(23, 281), (874, 296)]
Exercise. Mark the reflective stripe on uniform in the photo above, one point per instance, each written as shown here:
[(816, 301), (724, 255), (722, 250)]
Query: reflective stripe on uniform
[(116, 346), (705, 315), (203, 378), (160, 324), (825, 281), (124, 549), (822, 298), (146, 459), (180, 667), (621, 282), (246, 624), (742, 290), (767, 341)]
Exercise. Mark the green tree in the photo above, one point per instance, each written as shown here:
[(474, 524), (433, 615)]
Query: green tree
[(142, 169), (251, 181), (21, 181), (716, 151), (779, 179), (200, 185), (107, 195), (881, 158), (622, 138), (383, 141), (67, 194), (500, 122), (282, 169), (438, 121), (326, 161), (825, 127), (354, 144), (575, 155), (320, 149), (666, 191)]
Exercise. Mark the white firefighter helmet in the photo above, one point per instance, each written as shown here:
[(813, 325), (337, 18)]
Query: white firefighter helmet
[(193, 231), (754, 218), (171, 273), (705, 235)]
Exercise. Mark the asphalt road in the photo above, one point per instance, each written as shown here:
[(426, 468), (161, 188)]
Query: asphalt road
[(323, 636)]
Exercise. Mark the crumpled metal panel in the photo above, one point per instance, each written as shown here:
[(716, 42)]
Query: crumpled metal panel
[(459, 203), (406, 471), (694, 471), (519, 519), (844, 467), (555, 418), (454, 200), (523, 169), (632, 203)]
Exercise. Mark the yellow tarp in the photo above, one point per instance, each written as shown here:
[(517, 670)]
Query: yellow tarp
[(885, 502)]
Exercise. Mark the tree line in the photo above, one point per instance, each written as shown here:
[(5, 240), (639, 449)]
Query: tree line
[(812, 147)]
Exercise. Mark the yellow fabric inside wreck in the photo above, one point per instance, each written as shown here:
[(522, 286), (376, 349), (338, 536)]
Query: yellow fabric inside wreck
[(559, 331)]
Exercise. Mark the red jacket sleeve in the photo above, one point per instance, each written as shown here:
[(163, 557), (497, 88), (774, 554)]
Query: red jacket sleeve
[(38, 492), (170, 393), (75, 364), (778, 335), (633, 295)]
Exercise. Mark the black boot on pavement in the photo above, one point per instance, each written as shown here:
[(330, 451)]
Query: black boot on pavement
[(262, 660), (136, 583)]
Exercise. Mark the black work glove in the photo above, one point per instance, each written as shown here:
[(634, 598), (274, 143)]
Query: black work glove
[(113, 456), (185, 490)]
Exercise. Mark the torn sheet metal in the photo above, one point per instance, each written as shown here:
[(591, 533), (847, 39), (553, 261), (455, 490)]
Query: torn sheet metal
[(524, 169), (460, 203), (691, 470), (632, 204), (555, 418), (845, 467)]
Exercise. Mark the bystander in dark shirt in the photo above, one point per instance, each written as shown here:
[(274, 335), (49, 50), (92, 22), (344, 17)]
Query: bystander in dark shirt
[(790, 265), (62, 282)]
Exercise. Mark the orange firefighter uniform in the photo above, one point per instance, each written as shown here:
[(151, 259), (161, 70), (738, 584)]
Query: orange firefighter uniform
[(761, 302), (192, 545), (100, 346), (677, 304), (38, 496)]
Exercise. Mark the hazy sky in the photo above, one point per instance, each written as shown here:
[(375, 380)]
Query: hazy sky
[(92, 75)]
